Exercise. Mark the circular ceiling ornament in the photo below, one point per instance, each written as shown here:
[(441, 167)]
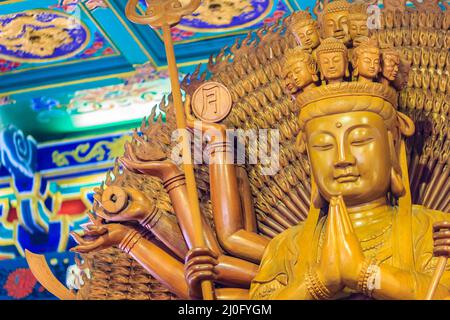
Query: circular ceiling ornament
[(40, 36), (223, 16)]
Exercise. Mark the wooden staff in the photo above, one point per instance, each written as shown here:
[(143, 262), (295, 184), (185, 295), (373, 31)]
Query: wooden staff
[(164, 14)]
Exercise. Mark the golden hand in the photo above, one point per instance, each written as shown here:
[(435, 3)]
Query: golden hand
[(163, 170), (350, 253), (100, 237), (120, 204), (213, 132), (328, 268), (199, 266)]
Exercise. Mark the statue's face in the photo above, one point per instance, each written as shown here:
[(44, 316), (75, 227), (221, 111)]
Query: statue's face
[(390, 68), (358, 28), (369, 64), (332, 65), (336, 25), (300, 75), (350, 156), (308, 36)]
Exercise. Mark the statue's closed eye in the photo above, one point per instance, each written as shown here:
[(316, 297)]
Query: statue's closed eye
[(361, 136), (362, 141), (323, 147)]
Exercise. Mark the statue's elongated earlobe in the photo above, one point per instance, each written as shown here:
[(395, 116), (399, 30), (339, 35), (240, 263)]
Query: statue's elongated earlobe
[(405, 124), (397, 187)]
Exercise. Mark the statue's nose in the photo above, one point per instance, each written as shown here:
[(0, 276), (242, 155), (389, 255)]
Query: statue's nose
[(344, 158)]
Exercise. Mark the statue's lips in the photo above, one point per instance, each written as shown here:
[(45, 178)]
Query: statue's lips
[(347, 178)]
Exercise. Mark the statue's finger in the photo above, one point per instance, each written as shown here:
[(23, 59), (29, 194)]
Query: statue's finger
[(79, 239), (442, 251), (331, 225), (195, 252), (96, 230), (201, 260), (196, 269), (129, 164), (441, 235), (345, 218), (201, 276), (103, 214), (442, 242), (441, 225)]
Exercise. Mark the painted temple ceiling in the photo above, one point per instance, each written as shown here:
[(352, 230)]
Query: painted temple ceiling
[(73, 66)]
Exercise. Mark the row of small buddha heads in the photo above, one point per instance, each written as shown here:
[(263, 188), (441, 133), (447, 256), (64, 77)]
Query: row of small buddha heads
[(417, 37), (339, 19), (415, 19), (332, 63)]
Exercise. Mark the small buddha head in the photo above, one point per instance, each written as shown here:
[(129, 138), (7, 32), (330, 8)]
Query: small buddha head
[(401, 81), (351, 133), (357, 22), (305, 29), (300, 68), (366, 60), (390, 62), (334, 21), (332, 60)]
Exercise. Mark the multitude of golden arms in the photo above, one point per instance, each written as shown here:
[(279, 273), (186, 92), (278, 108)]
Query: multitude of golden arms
[(358, 207)]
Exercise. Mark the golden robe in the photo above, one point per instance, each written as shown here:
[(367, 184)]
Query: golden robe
[(282, 255)]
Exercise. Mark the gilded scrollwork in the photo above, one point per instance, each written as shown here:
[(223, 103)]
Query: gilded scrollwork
[(102, 150)]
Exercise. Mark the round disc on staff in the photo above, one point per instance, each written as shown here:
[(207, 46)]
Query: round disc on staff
[(211, 102)]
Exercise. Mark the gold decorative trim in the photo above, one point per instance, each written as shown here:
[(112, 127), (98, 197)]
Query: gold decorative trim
[(348, 89)]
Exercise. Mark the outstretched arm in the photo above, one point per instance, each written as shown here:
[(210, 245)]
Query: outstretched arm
[(231, 271), (227, 207), (162, 266)]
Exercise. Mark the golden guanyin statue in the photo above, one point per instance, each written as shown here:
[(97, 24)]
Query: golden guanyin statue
[(357, 206)]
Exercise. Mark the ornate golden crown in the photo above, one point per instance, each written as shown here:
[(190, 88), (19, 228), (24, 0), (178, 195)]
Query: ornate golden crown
[(343, 89), (358, 11), (297, 54), (301, 19)]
